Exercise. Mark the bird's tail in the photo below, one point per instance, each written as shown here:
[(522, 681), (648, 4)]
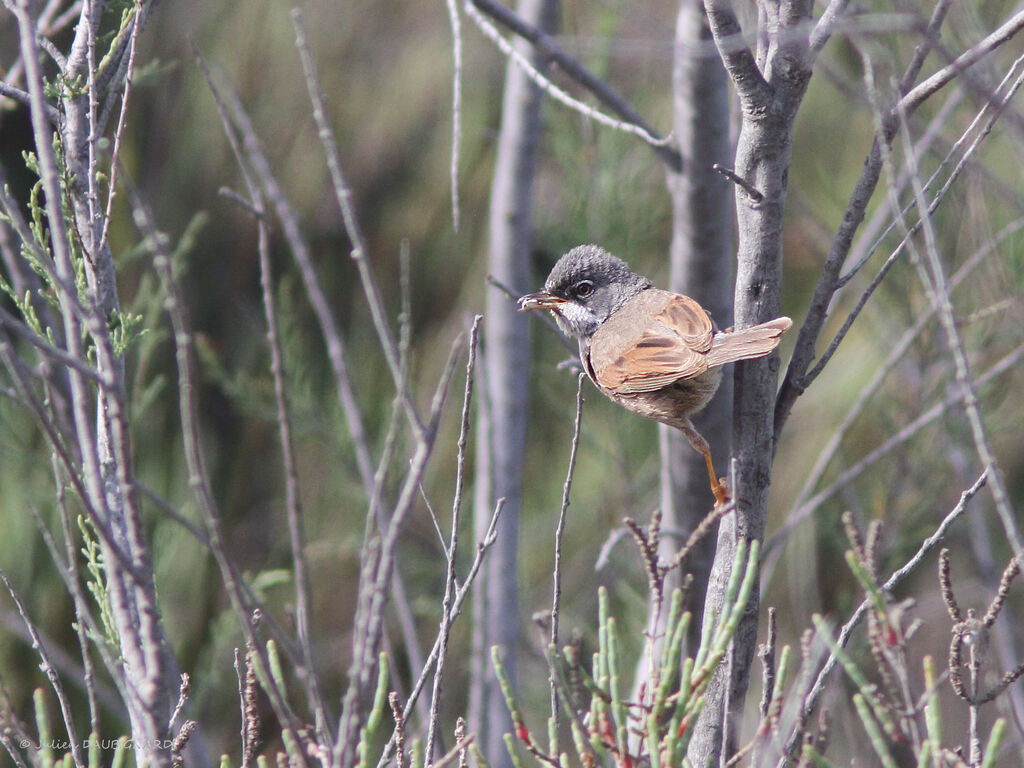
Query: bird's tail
[(730, 346)]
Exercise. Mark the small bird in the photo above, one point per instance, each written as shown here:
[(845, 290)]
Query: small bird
[(657, 353)]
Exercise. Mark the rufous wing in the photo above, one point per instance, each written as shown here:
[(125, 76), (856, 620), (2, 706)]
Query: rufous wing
[(657, 338), (688, 320)]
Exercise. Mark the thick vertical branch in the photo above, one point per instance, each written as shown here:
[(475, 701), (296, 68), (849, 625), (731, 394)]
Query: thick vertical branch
[(506, 358), (104, 448), (701, 266), (769, 95)]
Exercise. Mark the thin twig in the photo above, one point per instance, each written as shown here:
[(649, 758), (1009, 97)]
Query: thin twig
[(24, 98), (916, 96), (800, 506), (703, 528), (556, 574), (121, 122), (874, 234), (293, 503), (16, 367), (456, 25), (635, 124), (461, 593), (814, 693), (49, 670), (739, 181), (241, 599), (85, 622), (452, 549), (86, 626), (795, 380), (333, 339), (370, 623), (1006, 363), (173, 513), (359, 253), (20, 329), (824, 27), (936, 285), (939, 197), (373, 480)]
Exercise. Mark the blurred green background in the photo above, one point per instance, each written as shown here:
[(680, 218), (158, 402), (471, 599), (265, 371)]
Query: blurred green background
[(386, 73)]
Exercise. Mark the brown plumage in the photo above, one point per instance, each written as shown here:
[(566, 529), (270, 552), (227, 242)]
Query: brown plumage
[(656, 353)]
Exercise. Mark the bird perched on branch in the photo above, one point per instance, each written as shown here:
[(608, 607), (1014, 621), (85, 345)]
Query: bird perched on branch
[(657, 353)]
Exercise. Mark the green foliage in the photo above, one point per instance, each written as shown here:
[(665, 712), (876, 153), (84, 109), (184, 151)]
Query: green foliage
[(115, 38), (97, 584), (38, 256), (65, 87), (125, 329), (995, 742), (265, 580), (602, 728), (878, 742), (369, 730), (387, 80), (932, 711), (46, 736)]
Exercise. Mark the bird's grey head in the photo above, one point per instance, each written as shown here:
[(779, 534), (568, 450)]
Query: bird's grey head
[(586, 287)]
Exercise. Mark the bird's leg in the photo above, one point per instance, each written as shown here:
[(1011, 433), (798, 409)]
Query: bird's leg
[(718, 486)]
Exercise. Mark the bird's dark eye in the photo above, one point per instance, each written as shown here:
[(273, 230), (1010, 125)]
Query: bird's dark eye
[(584, 288)]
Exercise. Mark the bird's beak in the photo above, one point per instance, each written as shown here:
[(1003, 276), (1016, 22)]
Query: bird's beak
[(540, 300)]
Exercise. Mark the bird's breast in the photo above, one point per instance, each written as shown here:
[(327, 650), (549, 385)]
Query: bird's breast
[(672, 404)]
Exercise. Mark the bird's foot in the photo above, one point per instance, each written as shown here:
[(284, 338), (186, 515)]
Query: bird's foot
[(721, 491)]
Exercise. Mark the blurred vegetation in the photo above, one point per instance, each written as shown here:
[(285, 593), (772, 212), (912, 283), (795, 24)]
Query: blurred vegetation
[(386, 71)]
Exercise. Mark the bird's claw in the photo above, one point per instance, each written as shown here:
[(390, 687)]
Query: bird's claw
[(721, 491)]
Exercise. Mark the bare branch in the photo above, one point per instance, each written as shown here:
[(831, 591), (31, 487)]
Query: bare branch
[(50, 671), (934, 279), (451, 584), (548, 48), (810, 701), (904, 434), (333, 339), (241, 599), (461, 593), (917, 95), (796, 381), (375, 578), (456, 25), (556, 573), (824, 27), (22, 97), (359, 253), (899, 348), (754, 91), (21, 330), (133, 37)]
